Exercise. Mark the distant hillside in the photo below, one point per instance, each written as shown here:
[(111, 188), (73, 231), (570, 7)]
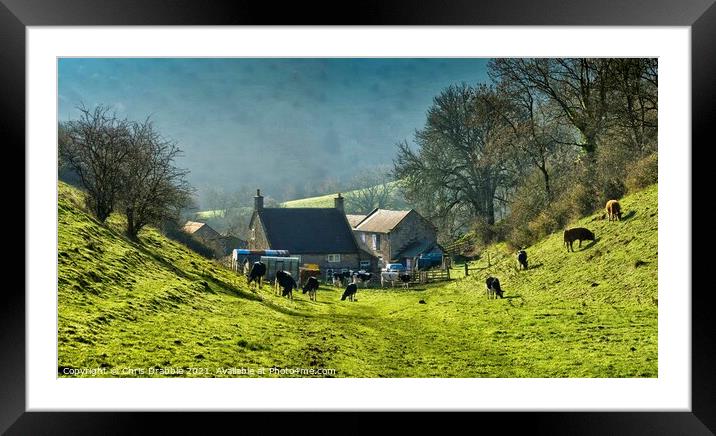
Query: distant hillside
[(327, 200), (320, 201), (211, 214)]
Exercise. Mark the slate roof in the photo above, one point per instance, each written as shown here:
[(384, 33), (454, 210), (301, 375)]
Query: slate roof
[(308, 230), (382, 220)]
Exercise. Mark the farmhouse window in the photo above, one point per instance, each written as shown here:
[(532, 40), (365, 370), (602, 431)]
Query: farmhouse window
[(376, 241), (334, 258)]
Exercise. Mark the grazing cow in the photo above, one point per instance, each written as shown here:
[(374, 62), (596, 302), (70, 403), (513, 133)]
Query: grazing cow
[(286, 282), (578, 233), (522, 258), (311, 287), (339, 276), (362, 277), (258, 270), (388, 277), (614, 210), (405, 278), (493, 288), (350, 292)]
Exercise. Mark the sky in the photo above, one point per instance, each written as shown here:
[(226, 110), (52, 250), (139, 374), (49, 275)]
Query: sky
[(269, 122)]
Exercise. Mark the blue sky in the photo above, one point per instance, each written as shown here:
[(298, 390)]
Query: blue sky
[(268, 122)]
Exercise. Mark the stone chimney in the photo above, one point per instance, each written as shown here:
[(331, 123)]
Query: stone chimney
[(258, 201), (338, 202)]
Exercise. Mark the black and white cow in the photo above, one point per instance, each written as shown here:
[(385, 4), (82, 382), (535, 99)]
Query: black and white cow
[(350, 292), (286, 283), (258, 270), (339, 276), (493, 288), (311, 287), (405, 278), (362, 277), (522, 258)]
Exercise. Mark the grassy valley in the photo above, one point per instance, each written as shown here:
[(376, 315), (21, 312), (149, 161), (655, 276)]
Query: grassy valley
[(127, 307)]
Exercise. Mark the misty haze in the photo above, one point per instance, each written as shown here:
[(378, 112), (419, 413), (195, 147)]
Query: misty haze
[(293, 127)]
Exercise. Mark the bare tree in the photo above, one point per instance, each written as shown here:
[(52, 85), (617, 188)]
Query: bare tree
[(153, 188), (635, 102), (578, 86), (536, 130), (375, 190), (236, 223), (219, 201), (460, 162), (95, 147)]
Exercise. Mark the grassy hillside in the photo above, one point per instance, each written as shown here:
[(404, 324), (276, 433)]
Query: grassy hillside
[(154, 304), (319, 201), (211, 214), (327, 200)]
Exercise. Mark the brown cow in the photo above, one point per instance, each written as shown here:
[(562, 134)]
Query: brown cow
[(614, 210), (578, 233)]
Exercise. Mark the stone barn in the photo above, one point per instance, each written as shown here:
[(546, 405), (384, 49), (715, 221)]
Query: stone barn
[(222, 245), (396, 236), (319, 236), (207, 236)]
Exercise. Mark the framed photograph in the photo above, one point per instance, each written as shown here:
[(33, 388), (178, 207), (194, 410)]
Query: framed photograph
[(438, 209)]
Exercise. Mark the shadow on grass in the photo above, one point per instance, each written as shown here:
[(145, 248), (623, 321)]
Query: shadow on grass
[(535, 266), (628, 215), (590, 245), (224, 287), (324, 301)]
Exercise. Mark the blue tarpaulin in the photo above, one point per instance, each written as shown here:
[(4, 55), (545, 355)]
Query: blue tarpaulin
[(245, 252)]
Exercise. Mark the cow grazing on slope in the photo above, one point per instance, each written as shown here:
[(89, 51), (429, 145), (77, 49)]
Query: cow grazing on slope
[(578, 233), (286, 282), (311, 287), (522, 258), (350, 292), (493, 288), (614, 210), (258, 270)]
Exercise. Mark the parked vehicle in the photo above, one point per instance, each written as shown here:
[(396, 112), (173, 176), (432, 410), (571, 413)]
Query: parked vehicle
[(430, 260), (392, 272)]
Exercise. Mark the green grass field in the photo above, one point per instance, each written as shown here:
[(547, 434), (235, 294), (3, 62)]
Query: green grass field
[(155, 304)]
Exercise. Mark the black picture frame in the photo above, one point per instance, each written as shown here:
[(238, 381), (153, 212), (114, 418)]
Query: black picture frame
[(16, 15)]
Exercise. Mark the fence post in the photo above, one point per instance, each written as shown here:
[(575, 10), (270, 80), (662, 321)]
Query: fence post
[(466, 271)]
